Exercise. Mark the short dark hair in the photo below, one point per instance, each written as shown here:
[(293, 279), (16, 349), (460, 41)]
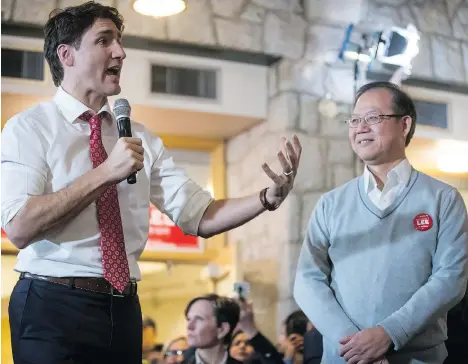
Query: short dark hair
[(224, 309), (402, 103), (68, 26), (296, 323), (149, 322)]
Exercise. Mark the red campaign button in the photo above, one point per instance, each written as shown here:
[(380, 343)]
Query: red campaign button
[(422, 222)]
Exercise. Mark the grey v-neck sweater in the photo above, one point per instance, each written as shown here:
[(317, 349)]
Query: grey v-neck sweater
[(401, 268)]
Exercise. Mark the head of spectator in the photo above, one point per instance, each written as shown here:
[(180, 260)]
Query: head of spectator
[(240, 348), (211, 320), (174, 352)]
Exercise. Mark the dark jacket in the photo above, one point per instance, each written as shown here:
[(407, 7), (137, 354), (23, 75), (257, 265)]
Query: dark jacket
[(265, 351), (313, 347)]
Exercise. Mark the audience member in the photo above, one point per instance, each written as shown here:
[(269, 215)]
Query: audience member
[(241, 349), (151, 349), (211, 320), (174, 352)]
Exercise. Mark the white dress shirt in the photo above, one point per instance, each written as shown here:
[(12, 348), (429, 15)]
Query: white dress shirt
[(398, 178), (46, 148)]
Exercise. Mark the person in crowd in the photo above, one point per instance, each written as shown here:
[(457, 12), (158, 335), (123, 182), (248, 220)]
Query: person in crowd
[(265, 351), (241, 349), (281, 341), (313, 345), (67, 203), (151, 349), (295, 329), (385, 256), (174, 352), (211, 322), (294, 349), (304, 342)]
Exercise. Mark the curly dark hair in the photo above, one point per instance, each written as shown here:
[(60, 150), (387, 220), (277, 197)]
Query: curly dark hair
[(224, 309), (68, 26), (402, 103)]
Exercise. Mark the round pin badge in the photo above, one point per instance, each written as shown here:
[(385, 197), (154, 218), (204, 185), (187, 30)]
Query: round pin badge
[(422, 222)]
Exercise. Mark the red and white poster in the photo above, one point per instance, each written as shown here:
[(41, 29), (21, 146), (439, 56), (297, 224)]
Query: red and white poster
[(164, 235)]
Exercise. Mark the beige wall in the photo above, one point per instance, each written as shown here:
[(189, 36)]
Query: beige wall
[(169, 316), (9, 276)]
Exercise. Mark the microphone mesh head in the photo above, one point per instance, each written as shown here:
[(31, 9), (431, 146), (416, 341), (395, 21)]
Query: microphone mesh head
[(122, 109)]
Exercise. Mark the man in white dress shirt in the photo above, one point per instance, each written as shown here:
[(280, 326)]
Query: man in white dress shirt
[(68, 207)]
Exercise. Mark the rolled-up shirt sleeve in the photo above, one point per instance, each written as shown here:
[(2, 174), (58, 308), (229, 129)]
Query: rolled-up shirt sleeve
[(175, 194), (24, 167)]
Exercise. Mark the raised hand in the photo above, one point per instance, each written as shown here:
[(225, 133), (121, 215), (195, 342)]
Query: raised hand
[(289, 156)]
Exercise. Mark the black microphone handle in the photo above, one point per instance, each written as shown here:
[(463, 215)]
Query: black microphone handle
[(126, 131), (131, 179)]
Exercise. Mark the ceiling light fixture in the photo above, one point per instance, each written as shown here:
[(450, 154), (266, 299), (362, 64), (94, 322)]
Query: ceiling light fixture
[(159, 8)]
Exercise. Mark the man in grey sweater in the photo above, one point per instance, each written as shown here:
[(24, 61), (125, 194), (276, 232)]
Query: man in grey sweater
[(385, 255)]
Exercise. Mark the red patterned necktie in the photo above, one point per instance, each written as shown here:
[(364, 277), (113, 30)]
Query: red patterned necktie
[(114, 257)]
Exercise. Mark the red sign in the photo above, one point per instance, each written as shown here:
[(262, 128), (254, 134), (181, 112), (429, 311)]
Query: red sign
[(422, 222), (165, 235)]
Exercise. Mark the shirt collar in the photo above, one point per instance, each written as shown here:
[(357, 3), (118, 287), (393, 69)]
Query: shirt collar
[(198, 359), (401, 173), (71, 108)]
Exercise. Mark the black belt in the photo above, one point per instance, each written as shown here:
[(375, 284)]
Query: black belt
[(98, 285)]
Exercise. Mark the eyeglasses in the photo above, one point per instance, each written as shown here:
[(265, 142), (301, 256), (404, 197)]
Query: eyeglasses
[(173, 352), (370, 119)]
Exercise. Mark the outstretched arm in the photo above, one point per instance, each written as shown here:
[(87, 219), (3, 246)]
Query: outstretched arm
[(224, 215)]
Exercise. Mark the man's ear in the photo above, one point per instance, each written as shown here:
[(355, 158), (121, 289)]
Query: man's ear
[(223, 330), (407, 122), (66, 55)]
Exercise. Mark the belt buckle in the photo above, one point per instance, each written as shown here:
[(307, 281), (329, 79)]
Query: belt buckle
[(115, 293)]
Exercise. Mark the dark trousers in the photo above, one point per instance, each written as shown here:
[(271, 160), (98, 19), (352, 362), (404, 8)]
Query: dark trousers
[(457, 342), (55, 324)]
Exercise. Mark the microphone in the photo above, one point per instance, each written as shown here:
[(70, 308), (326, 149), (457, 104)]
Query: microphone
[(122, 115)]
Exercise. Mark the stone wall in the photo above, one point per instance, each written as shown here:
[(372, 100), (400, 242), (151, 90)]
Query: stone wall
[(309, 42), (281, 26)]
